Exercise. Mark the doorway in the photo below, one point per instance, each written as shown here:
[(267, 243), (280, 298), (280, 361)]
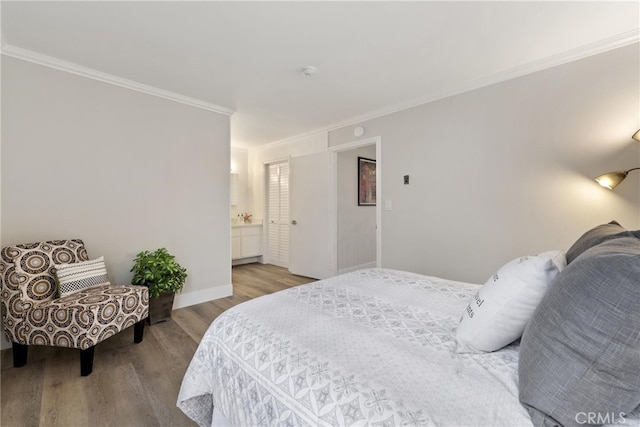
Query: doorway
[(356, 227), (302, 213), (358, 230)]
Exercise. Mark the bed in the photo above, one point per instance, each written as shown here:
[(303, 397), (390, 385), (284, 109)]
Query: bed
[(372, 347)]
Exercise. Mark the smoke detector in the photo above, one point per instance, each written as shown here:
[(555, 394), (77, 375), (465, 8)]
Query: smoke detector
[(308, 71)]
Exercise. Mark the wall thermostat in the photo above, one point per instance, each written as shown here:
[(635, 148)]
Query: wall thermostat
[(359, 131)]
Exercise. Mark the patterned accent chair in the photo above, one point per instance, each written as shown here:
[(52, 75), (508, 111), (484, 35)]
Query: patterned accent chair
[(33, 315)]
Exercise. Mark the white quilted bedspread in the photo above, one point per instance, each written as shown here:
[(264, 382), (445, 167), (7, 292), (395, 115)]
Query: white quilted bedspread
[(372, 347)]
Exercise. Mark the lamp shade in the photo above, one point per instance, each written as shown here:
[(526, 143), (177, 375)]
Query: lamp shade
[(636, 135), (612, 179)]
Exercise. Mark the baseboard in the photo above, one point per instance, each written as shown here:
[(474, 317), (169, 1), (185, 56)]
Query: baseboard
[(196, 297), (249, 260), (371, 264)]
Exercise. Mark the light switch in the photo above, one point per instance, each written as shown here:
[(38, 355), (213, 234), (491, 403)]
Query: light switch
[(387, 205)]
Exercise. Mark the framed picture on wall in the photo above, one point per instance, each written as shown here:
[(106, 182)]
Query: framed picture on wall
[(366, 182)]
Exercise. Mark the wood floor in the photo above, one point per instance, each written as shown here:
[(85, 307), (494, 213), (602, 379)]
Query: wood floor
[(131, 384)]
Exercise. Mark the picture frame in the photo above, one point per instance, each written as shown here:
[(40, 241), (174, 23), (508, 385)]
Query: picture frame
[(366, 182)]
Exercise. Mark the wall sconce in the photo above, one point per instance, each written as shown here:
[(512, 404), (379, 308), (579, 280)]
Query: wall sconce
[(611, 179)]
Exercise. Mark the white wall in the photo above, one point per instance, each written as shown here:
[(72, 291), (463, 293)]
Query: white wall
[(3, 341), (507, 170), (240, 164), (356, 224), (123, 170)]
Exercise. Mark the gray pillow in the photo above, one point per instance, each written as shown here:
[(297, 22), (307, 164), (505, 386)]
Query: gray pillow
[(594, 237), (580, 353)]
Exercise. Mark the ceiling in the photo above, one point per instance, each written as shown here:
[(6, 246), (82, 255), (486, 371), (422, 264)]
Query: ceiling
[(371, 57)]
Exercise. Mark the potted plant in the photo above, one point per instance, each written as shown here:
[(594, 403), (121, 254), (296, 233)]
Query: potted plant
[(160, 272)]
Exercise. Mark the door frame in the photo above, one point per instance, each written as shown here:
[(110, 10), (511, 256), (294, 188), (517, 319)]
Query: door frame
[(333, 195)]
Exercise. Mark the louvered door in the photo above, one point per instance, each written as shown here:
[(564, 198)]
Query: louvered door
[(278, 214)]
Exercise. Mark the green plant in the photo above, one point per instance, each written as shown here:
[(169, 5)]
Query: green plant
[(158, 271)]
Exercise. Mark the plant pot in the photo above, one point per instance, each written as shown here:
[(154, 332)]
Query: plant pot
[(160, 308)]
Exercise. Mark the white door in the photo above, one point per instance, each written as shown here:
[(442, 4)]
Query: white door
[(311, 253), (278, 214)]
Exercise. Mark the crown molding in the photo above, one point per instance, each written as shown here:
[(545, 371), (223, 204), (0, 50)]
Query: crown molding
[(69, 67), (620, 40)]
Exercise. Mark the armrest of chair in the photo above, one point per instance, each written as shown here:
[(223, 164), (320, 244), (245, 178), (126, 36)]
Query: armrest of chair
[(11, 302)]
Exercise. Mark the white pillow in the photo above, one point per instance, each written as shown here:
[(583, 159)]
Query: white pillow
[(77, 276), (498, 313)]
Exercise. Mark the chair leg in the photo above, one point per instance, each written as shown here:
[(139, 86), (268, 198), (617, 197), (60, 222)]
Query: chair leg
[(19, 354), (138, 331), (86, 361)]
